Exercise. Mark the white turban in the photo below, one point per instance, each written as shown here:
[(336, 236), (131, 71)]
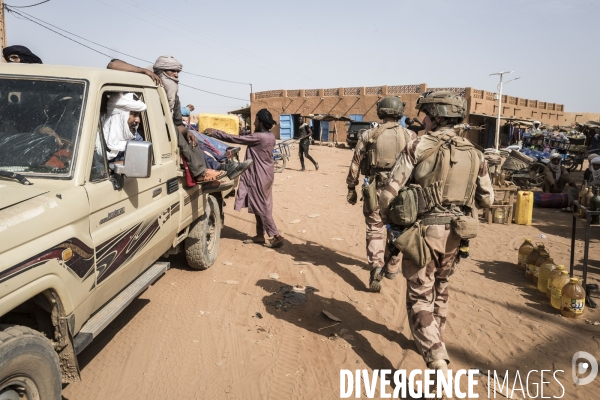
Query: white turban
[(114, 123), (595, 172)]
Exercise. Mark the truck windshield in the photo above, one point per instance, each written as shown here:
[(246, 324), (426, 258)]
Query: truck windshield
[(39, 125)]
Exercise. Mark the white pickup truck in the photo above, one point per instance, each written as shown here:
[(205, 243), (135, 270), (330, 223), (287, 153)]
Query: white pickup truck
[(80, 240)]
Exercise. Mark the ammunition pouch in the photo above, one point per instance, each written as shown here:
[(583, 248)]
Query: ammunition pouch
[(465, 227), (364, 167), (413, 246), (412, 201), (371, 201), (404, 209)]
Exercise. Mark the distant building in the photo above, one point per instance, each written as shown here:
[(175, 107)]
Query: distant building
[(359, 103)]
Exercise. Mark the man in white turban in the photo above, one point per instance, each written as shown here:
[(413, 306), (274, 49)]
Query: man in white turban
[(556, 176), (120, 123), (595, 168)]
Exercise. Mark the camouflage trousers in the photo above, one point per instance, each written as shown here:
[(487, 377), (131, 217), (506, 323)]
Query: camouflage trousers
[(427, 292), (376, 241)]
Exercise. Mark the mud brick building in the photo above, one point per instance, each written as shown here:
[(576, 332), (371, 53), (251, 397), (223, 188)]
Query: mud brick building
[(359, 103)]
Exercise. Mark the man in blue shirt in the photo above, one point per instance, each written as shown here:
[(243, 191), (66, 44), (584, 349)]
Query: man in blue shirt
[(187, 111)]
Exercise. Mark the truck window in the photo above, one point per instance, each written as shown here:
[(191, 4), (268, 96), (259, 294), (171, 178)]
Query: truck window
[(99, 170), (99, 167), (40, 124)]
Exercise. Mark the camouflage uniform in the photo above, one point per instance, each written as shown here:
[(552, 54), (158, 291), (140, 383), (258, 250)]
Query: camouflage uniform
[(427, 288), (376, 231)]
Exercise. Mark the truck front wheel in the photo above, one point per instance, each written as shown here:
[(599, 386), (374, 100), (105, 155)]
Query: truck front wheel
[(29, 366), (202, 243)]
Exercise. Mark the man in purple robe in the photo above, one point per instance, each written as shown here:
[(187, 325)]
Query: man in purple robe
[(255, 189)]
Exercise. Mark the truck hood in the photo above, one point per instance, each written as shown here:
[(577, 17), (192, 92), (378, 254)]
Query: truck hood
[(12, 194)]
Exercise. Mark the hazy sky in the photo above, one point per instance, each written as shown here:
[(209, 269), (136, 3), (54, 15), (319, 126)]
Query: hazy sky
[(551, 44)]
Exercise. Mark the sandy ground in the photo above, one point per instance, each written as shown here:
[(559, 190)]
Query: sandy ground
[(218, 334)]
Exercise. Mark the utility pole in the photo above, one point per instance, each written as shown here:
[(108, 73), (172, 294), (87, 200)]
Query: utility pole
[(497, 138), (2, 29)]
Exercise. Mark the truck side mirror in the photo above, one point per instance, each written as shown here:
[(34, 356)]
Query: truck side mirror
[(138, 160), (137, 164)]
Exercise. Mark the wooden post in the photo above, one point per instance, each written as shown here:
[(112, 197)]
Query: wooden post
[(2, 29)]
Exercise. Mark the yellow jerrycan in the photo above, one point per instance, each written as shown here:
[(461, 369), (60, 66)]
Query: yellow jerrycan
[(524, 212)]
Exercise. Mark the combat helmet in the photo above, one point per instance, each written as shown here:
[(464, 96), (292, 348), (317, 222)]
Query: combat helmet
[(442, 104), (390, 106)]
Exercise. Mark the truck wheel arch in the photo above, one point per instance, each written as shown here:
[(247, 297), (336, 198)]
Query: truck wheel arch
[(45, 313)]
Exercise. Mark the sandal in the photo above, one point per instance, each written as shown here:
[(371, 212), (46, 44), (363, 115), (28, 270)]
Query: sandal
[(211, 175), (210, 185), (275, 243), (254, 240)]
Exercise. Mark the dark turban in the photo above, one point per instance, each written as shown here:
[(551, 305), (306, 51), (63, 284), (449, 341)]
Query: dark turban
[(266, 118), (26, 56)]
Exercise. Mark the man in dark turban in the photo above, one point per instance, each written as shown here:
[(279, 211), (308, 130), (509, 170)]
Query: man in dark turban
[(20, 54), (255, 191)]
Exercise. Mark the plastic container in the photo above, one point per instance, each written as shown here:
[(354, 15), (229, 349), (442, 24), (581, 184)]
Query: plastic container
[(544, 273), (581, 195), (524, 251), (557, 286), (544, 256), (553, 275), (500, 214), (524, 208), (588, 196), (573, 299), (532, 259), (502, 178)]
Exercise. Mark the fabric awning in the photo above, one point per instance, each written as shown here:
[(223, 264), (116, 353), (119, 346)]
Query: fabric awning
[(508, 119), (327, 117), (245, 112)]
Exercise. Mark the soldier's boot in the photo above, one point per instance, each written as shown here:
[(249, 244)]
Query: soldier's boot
[(438, 365), (375, 279), (390, 275)]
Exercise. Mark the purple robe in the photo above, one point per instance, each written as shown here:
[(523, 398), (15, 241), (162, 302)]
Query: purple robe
[(255, 190)]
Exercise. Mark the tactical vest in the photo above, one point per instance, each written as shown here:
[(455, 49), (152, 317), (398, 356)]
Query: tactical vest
[(385, 144), (448, 172)]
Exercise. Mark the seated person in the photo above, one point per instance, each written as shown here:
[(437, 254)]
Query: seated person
[(588, 172), (20, 54), (216, 157), (594, 179), (556, 177), (120, 124)]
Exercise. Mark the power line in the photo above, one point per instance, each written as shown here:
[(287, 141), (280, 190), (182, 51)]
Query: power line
[(216, 39), (33, 5), (58, 33), (17, 13), (125, 54), (216, 94), (188, 38)]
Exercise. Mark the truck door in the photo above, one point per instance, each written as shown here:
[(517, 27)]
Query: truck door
[(130, 227)]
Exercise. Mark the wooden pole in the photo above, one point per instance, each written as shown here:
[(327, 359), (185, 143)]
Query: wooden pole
[(2, 29)]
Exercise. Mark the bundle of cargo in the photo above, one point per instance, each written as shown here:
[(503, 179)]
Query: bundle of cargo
[(517, 161)]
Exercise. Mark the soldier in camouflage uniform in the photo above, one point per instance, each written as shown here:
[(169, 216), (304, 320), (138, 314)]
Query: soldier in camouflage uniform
[(452, 171), (375, 153)]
